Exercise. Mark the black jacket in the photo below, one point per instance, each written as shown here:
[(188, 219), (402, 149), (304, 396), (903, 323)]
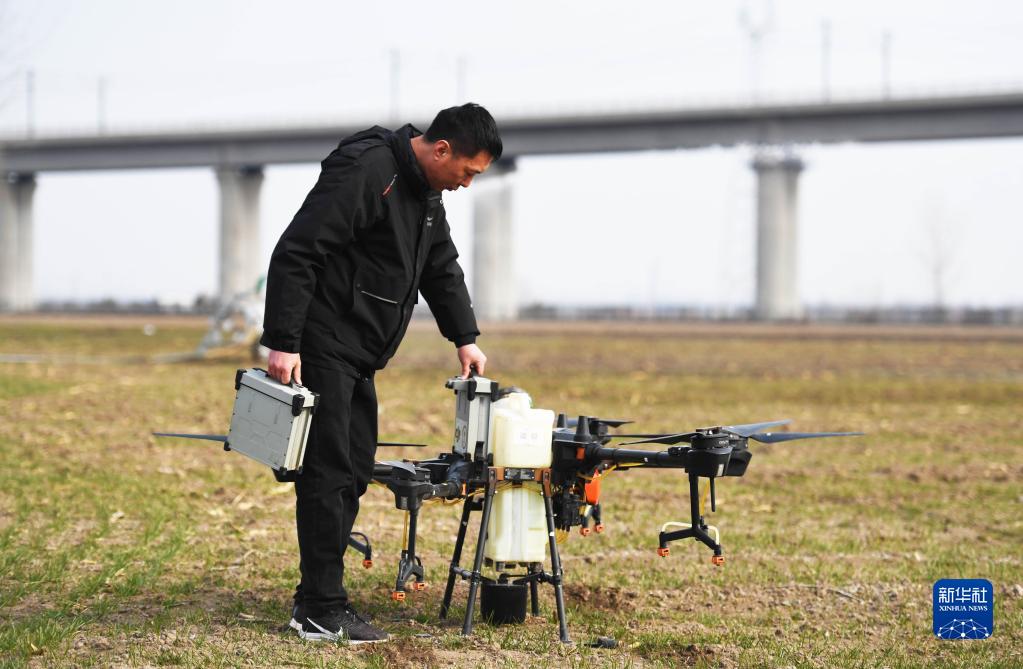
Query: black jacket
[(346, 272)]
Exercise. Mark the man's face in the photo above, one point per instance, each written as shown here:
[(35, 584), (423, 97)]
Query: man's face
[(449, 170)]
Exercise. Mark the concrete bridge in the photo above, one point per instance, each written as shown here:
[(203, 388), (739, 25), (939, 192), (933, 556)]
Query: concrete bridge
[(239, 156)]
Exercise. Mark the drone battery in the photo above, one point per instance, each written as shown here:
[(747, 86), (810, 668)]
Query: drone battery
[(473, 397), (270, 423)]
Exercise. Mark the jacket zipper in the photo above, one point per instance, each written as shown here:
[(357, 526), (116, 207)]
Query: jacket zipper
[(377, 297), (427, 222)]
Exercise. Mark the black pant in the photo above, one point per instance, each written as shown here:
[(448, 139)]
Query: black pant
[(337, 469)]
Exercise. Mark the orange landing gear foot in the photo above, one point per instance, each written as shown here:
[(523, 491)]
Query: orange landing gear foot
[(398, 596), (367, 564), (717, 560), (419, 587), (585, 531), (663, 552), (598, 528)]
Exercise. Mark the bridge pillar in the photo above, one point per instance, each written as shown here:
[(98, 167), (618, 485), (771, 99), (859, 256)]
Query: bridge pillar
[(239, 230), (16, 196), (777, 227), (493, 262)]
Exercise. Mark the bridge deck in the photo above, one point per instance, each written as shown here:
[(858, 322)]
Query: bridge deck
[(959, 117)]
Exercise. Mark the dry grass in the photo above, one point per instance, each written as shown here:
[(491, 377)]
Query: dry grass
[(120, 550)]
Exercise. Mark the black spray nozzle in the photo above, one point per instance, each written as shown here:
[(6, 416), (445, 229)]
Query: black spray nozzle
[(582, 427)]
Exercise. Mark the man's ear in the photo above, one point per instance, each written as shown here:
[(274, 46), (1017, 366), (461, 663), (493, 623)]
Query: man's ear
[(441, 149)]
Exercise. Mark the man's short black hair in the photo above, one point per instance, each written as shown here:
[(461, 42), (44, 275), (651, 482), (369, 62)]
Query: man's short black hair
[(469, 129)]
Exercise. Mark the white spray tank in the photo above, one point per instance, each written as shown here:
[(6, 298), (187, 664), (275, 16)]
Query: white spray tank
[(520, 436)]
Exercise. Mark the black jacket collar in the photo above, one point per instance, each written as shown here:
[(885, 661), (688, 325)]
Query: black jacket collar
[(401, 144)]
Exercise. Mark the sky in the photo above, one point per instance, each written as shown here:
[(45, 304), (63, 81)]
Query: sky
[(904, 223)]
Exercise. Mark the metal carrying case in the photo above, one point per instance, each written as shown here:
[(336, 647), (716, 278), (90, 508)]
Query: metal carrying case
[(271, 421)]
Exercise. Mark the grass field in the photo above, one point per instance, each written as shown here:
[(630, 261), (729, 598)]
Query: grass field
[(117, 549)]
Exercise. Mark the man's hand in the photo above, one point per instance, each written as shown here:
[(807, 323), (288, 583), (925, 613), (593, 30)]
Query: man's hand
[(282, 366), (470, 355)]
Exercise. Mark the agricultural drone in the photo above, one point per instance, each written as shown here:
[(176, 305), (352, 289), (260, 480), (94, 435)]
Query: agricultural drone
[(534, 476)]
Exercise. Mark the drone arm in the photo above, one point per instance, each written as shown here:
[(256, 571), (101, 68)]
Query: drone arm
[(674, 458)]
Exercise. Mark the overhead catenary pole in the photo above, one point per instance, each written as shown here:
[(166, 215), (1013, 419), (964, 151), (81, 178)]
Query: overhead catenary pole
[(756, 29), (30, 102), (886, 64), (460, 77), (395, 85), (101, 105), (826, 59)]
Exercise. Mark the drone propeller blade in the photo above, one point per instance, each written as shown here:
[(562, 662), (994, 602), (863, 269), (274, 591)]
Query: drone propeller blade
[(207, 437), (610, 422), (775, 437), (650, 435), (668, 439), (614, 422), (750, 429), (399, 464), (386, 468), (223, 438)]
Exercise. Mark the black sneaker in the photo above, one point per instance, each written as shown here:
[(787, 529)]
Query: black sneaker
[(340, 625), (297, 613)]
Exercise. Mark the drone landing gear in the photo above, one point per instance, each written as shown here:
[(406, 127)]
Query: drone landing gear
[(695, 530), (411, 487), (410, 565), (363, 547), (598, 525), (535, 573)]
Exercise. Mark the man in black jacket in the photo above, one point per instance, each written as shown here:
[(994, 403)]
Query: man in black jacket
[(342, 283)]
